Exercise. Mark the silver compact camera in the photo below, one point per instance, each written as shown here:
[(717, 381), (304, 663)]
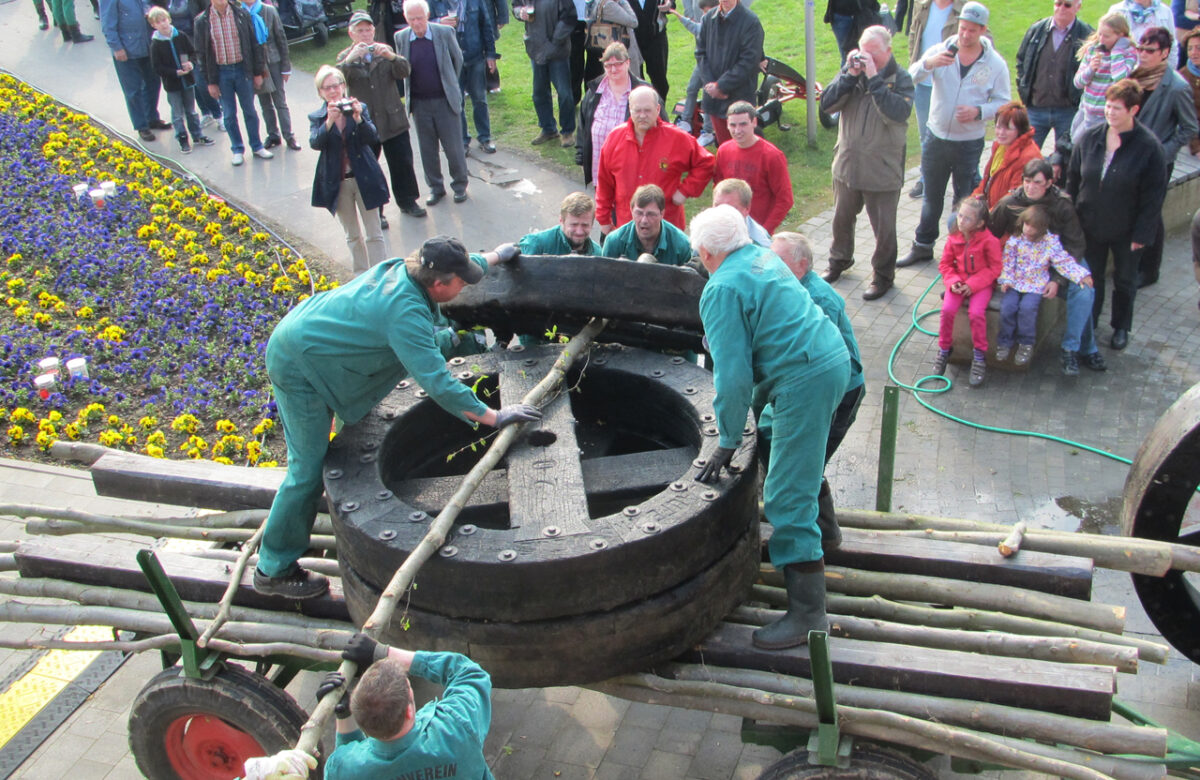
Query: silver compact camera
[(345, 105)]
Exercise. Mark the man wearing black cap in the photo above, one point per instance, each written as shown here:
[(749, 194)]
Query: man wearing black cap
[(341, 352)]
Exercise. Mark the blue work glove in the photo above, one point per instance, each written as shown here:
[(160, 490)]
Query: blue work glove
[(517, 413), (364, 651), (712, 470), (507, 252), (330, 682)]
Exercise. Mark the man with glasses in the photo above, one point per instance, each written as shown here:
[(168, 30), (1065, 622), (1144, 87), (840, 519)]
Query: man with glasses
[(647, 233), (1168, 112), (1037, 189), (1046, 63)]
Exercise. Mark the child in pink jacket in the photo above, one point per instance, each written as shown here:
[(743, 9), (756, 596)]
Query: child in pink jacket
[(970, 265)]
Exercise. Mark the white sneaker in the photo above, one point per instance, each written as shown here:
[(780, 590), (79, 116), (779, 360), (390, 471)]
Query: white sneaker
[(684, 125), (706, 139), (264, 154), (238, 158)]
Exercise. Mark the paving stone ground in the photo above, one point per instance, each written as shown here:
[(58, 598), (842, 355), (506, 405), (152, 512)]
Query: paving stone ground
[(943, 467)]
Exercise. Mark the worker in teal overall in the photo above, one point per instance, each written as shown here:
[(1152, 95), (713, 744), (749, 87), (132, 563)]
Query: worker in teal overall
[(771, 344), (341, 352), (573, 233), (796, 253), (381, 733)]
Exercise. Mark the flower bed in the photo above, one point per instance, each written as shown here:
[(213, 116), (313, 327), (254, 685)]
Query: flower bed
[(168, 293)]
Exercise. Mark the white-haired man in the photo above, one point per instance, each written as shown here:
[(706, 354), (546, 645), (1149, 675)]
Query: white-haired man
[(434, 98), (770, 343), (875, 98)]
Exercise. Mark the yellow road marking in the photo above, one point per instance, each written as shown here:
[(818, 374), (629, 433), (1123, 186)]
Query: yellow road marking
[(54, 671)]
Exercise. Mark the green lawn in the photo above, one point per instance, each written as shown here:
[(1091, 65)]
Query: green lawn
[(514, 123)]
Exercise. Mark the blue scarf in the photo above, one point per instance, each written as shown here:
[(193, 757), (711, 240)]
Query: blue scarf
[(1192, 69), (1137, 13), (260, 27)]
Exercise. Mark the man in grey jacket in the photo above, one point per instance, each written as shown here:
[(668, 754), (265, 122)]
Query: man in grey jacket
[(1167, 111), (548, 27), (875, 98), (970, 82), (435, 98)]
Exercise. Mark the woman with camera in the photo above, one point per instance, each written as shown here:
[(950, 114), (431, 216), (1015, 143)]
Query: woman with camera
[(348, 181)]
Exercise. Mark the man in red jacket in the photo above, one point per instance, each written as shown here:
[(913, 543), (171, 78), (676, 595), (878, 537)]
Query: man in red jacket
[(647, 150), (759, 163)]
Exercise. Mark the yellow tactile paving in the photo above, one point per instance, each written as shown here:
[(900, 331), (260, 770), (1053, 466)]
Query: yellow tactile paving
[(26, 697)]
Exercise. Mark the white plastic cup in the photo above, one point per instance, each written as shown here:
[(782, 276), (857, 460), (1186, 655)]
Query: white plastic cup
[(49, 366), (81, 191), (97, 197), (109, 187), (44, 384), (77, 368)]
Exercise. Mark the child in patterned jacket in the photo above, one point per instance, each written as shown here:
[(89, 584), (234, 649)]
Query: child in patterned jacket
[(1024, 280)]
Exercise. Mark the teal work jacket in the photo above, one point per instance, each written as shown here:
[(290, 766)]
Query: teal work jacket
[(834, 307), (552, 241), (353, 344), (674, 247), (764, 333)]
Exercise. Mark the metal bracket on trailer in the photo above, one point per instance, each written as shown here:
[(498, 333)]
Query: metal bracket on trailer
[(826, 745), (1183, 754), (198, 662)]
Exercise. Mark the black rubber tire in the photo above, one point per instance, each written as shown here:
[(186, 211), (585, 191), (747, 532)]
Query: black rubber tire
[(320, 34), (247, 702), (581, 649), (868, 761), (828, 121), (1161, 484), (628, 553)]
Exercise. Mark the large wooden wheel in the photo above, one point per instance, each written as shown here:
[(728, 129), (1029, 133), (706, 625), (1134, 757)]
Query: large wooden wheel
[(1160, 503), (593, 513)]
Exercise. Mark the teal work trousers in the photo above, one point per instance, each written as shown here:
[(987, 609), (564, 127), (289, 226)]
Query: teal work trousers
[(800, 429), (306, 423)]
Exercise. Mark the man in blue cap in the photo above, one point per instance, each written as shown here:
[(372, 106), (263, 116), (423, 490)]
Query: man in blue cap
[(770, 343), (341, 352)]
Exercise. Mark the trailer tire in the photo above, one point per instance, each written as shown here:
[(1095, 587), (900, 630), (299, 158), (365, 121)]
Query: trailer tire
[(182, 728), (868, 761), (320, 34), (1158, 491)]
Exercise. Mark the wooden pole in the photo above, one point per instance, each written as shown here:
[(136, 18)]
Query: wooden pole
[(1121, 553), (1011, 543), (235, 582), (998, 718), (64, 522), (978, 595), (310, 734), (1042, 648), (171, 641)]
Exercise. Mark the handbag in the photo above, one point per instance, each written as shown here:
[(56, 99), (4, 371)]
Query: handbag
[(601, 34)]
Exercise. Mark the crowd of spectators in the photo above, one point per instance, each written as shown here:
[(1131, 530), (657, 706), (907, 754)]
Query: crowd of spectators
[(1106, 109)]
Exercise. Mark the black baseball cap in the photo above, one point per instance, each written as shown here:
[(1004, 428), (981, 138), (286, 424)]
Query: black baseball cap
[(448, 255)]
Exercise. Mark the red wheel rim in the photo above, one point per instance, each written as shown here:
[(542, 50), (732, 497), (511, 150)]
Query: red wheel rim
[(204, 747)]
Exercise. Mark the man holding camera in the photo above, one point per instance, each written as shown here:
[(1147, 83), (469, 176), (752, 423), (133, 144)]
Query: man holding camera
[(970, 82), (371, 70), (875, 98)]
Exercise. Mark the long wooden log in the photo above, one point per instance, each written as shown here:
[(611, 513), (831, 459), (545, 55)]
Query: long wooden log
[(937, 590), (7, 546), (79, 452), (102, 596), (171, 641), (381, 616), (1121, 553), (66, 522), (157, 623), (326, 566), (1003, 720), (8, 562), (854, 720), (1041, 648), (1012, 543), (979, 620)]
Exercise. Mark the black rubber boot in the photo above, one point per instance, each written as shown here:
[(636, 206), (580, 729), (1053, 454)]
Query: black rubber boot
[(43, 21), (831, 534), (77, 36), (66, 32), (805, 583)]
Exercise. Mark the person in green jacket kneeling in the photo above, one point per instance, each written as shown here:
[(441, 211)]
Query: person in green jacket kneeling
[(770, 343), (648, 238), (341, 352)]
